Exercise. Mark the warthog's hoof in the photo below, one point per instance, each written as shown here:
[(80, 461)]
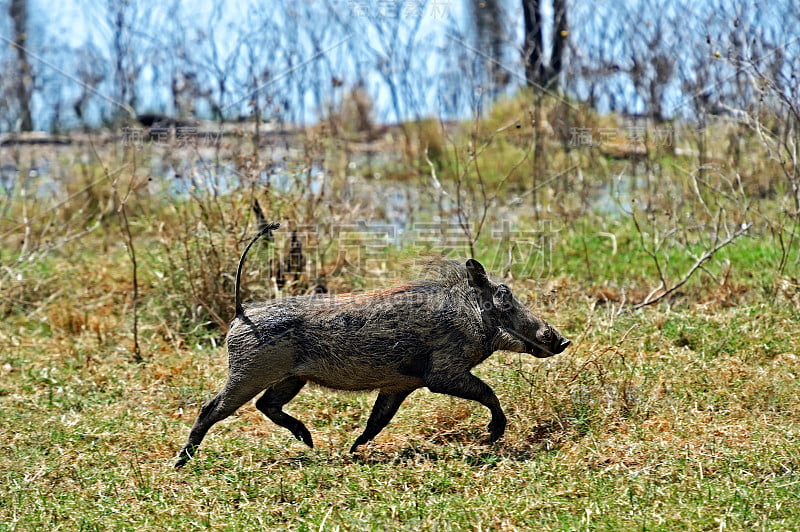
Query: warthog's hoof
[(496, 429), (183, 457), (303, 435)]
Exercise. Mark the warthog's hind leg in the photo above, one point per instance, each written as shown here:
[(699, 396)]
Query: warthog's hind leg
[(271, 404), (232, 396)]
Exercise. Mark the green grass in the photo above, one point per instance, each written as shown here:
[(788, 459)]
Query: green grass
[(661, 419), (683, 415)]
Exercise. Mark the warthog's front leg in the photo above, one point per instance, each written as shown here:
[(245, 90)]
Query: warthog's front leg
[(271, 404), (385, 408), (468, 386)]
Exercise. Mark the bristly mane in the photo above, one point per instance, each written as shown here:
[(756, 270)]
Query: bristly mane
[(445, 272), (435, 277)]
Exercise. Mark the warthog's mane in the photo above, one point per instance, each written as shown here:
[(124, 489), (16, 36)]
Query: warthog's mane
[(446, 272), (440, 275), (439, 279)]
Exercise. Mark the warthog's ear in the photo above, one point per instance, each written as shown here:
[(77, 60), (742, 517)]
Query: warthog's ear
[(476, 274)]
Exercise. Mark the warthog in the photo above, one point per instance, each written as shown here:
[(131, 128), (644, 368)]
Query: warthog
[(429, 332)]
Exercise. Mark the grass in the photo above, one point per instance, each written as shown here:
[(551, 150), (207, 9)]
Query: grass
[(661, 419), (681, 415)]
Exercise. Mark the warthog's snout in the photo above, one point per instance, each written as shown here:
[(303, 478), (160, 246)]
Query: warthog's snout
[(429, 333), (549, 343)]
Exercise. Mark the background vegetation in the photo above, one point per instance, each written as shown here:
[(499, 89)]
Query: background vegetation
[(678, 414), (666, 248)]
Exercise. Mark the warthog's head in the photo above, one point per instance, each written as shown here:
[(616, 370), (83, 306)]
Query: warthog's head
[(516, 327)]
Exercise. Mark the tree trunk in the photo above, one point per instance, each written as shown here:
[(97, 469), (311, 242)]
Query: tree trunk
[(18, 9), (559, 41), (532, 49), (488, 18), (537, 72)]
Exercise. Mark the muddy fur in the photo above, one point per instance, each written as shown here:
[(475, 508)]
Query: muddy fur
[(427, 333)]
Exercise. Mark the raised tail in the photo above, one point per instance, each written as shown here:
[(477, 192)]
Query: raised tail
[(267, 228)]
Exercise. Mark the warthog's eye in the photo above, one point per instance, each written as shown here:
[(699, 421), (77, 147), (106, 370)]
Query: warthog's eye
[(504, 294), (504, 291), (547, 335)]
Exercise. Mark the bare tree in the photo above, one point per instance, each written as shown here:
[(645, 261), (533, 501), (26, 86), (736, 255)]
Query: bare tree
[(91, 73), (490, 35), (214, 64), (532, 47), (18, 10), (560, 36), (538, 71), (127, 61)]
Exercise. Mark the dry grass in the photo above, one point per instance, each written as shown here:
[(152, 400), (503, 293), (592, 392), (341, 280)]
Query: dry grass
[(661, 419), (678, 416)]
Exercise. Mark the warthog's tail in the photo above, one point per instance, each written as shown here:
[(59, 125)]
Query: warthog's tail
[(268, 228)]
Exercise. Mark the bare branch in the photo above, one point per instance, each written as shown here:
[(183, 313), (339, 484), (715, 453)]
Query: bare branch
[(699, 262)]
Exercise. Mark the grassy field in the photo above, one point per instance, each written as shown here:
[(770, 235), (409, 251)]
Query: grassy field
[(684, 414)]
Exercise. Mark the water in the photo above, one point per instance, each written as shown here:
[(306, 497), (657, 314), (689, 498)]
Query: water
[(404, 206)]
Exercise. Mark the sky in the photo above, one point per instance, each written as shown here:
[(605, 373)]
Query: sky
[(289, 53)]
